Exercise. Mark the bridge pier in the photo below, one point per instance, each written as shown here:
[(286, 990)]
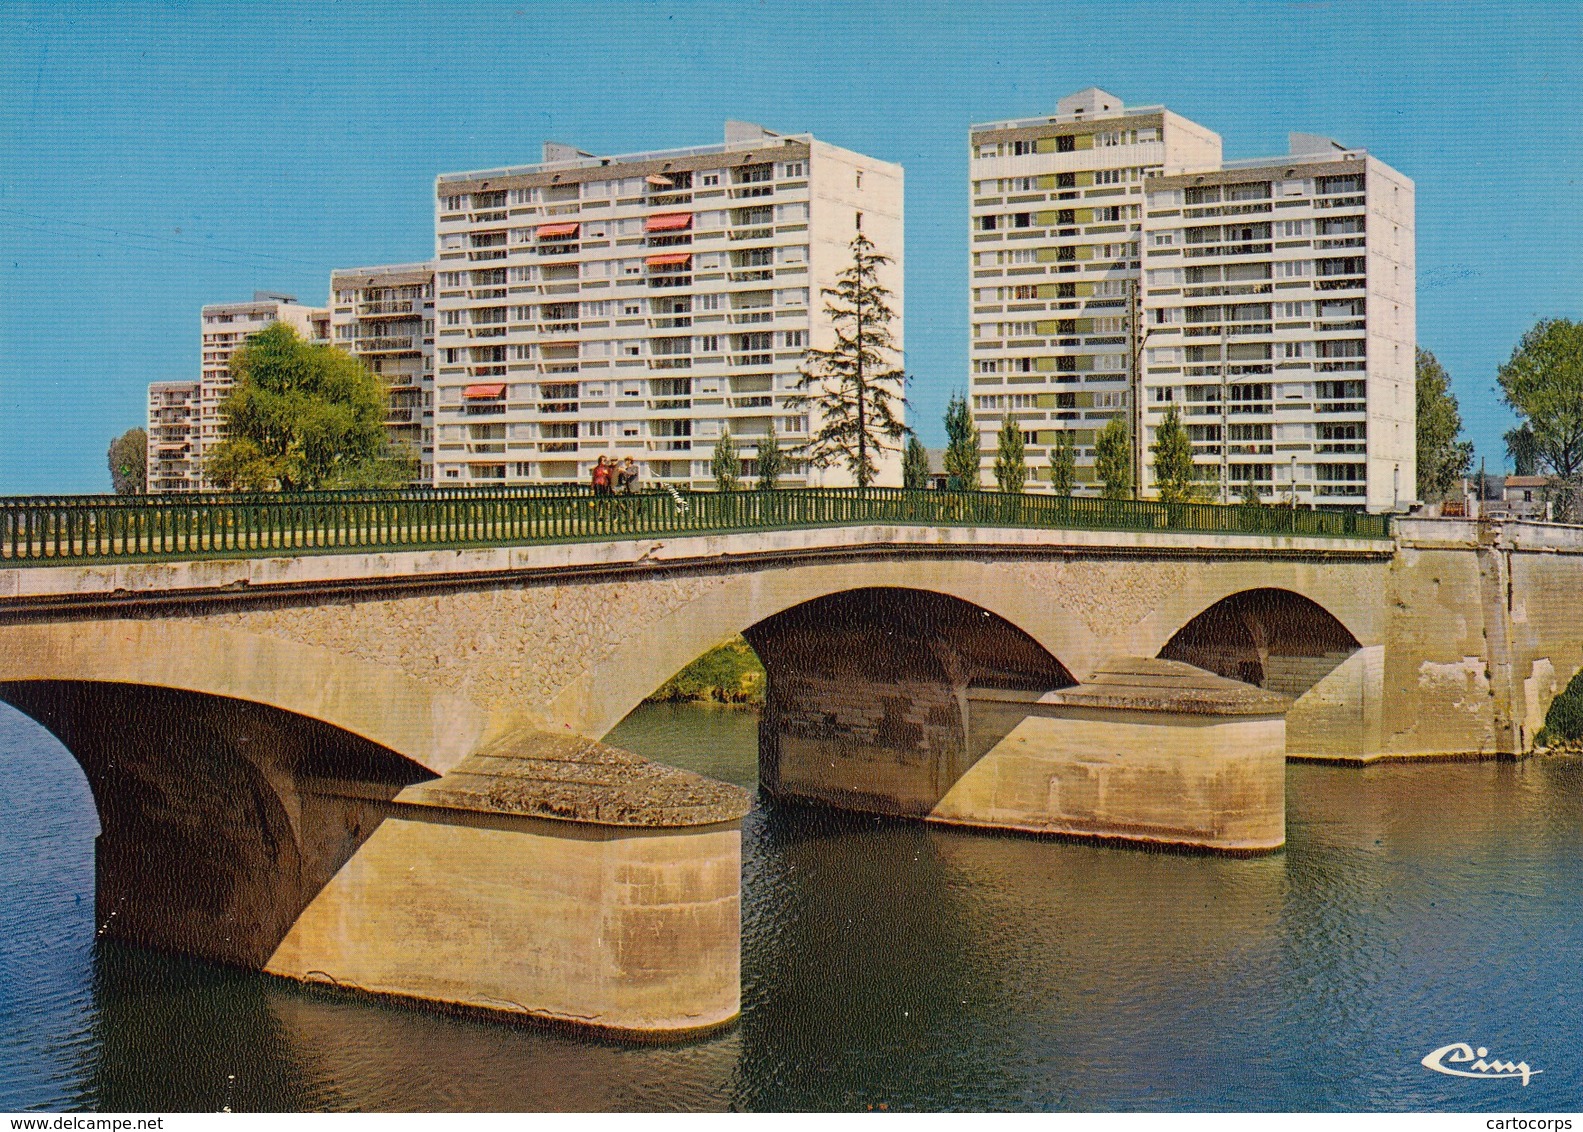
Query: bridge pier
[(546, 877), (914, 705)]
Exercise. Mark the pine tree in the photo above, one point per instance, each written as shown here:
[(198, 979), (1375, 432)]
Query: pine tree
[(915, 465), (1063, 464), (961, 446), (726, 465), (1173, 460), (1011, 467), (1113, 459), (772, 461), (854, 390)]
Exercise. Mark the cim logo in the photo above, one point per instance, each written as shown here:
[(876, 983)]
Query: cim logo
[(1460, 1053)]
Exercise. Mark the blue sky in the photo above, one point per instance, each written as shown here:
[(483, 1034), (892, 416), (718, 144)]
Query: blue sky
[(155, 157)]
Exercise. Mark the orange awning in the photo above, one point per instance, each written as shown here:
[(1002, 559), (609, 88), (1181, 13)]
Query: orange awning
[(671, 222), (544, 230), (660, 182), (484, 392), (669, 258)]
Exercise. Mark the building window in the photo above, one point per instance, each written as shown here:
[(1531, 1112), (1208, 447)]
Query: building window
[(795, 339), (794, 169)]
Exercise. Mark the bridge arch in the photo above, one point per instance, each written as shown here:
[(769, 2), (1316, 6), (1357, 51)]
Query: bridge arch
[(605, 692), (381, 704), (1269, 637)]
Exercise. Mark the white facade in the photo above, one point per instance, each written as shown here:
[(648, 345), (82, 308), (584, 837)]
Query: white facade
[(1056, 215), (1119, 266), (1278, 316), (172, 437), (641, 305), (385, 317)]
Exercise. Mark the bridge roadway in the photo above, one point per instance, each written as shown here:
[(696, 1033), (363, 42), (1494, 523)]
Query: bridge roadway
[(381, 770)]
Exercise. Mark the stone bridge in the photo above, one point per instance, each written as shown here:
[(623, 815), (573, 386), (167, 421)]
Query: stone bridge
[(381, 770)]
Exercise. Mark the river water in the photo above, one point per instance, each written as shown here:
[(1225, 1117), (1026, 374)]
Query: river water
[(891, 964)]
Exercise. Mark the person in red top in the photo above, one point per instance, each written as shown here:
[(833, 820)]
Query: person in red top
[(601, 476)]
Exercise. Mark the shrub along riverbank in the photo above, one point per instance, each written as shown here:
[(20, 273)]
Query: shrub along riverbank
[(729, 673)]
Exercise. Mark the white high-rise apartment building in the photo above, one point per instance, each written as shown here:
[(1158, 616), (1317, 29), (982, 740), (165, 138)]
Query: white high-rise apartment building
[(1056, 217), (642, 305), (172, 436), (1279, 317), (1119, 266), (385, 316)]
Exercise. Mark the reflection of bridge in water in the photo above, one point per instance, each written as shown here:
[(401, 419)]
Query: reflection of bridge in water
[(372, 760)]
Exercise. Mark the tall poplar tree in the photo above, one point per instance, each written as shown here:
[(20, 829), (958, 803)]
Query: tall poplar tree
[(1011, 465), (1113, 459), (1173, 460), (915, 464), (854, 388), (726, 464), (961, 446), (1063, 464), (772, 461)]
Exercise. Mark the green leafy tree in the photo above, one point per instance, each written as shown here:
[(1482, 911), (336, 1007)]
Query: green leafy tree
[(726, 465), (1442, 459), (772, 461), (302, 417), (128, 460), (1250, 494), (1063, 464), (1113, 459), (854, 387), (1173, 460), (961, 446), (1011, 462), (1543, 381), (1520, 449), (914, 464)]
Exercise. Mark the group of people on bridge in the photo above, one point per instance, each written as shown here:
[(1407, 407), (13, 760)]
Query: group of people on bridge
[(608, 476)]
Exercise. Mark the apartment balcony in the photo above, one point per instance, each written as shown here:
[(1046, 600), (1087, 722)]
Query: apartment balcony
[(557, 406), (760, 401), (492, 449), (1332, 284), (681, 444), (1326, 242), (557, 446), (487, 293), (742, 318), (496, 370), (388, 308), (498, 331), (1199, 251), (558, 249), (744, 192), (670, 280), (665, 200), (1331, 407), (752, 275), (1339, 202), (557, 328), (670, 323), (383, 345), (399, 416), (751, 233), (482, 255), (671, 363), (750, 361)]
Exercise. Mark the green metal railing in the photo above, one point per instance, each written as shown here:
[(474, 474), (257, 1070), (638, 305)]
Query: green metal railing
[(69, 529)]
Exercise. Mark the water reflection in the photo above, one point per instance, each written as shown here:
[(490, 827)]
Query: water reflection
[(900, 965)]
